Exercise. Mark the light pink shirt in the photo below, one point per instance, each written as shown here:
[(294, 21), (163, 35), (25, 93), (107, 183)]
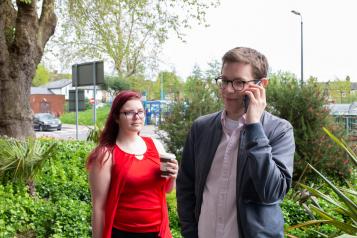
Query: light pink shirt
[(218, 218)]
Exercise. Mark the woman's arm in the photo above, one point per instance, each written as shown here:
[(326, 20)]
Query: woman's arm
[(99, 181)]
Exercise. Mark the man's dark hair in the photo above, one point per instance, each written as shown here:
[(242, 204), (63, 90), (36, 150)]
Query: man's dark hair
[(250, 56)]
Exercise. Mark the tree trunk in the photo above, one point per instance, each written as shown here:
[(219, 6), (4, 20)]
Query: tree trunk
[(23, 37), (31, 187)]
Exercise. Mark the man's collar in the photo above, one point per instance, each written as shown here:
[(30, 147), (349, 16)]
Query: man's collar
[(224, 117)]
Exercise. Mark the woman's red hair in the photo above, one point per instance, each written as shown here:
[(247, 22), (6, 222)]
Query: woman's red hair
[(110, 132)]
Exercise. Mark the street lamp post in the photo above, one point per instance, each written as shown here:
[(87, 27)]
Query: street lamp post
[(302, 48)]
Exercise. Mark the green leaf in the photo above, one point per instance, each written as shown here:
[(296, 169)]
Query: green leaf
[(305, 224), (350, 229), (349, 203), (327, 198), (342, 144)]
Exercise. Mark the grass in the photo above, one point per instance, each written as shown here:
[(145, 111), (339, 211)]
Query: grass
[(86, 117)]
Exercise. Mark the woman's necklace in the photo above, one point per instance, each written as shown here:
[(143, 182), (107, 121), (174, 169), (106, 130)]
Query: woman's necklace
[(127, 149), (139, 157)]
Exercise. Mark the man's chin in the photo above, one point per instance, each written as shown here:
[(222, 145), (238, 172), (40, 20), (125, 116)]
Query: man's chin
[(232, 100)]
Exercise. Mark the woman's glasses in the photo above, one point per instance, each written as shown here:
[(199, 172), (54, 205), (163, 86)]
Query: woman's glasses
[(132, 114)]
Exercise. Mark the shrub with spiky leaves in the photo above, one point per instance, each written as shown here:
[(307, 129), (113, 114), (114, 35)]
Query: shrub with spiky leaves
[(343, 202), (21, 160), (94, 133)]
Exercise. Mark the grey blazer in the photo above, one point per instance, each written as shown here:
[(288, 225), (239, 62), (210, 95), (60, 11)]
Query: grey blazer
[(264, 173)]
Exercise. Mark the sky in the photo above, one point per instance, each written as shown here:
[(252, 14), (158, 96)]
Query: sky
[(329, 37)]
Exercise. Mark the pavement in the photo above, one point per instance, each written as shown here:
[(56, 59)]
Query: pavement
[(68, 132)]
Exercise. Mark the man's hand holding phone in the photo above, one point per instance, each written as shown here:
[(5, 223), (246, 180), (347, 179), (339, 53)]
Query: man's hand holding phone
[(255, 101)]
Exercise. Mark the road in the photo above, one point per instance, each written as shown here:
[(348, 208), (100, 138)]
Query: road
[(68, 132)]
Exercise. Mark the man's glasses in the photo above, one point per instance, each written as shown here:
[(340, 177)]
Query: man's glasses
[(237, 84), (132, 114)]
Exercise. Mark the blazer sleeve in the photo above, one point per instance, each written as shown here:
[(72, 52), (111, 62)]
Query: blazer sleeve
[(185, 189), (270, 160)]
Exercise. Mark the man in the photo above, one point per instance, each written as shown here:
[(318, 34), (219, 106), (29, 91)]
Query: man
[(237, 164)]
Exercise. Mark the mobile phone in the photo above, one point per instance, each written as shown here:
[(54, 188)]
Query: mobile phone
[(246, 100), (246, 103)]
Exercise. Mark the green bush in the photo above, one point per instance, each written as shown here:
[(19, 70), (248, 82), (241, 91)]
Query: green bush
[(173, 217), (293, 212), (333, 207), (61, 207), (71, 219), (24, 215), (66, 177), (21, 160), (304, 108)]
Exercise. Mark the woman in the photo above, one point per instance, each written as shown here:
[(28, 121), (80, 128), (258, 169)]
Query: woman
[(128, 193)]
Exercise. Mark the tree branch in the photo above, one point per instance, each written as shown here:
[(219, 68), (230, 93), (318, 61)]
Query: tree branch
[(47, 23)]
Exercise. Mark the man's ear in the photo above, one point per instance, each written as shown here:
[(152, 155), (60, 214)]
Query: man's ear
[(265, 82)]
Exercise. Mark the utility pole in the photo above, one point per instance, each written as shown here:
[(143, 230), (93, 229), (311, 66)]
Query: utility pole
[(302, 47)]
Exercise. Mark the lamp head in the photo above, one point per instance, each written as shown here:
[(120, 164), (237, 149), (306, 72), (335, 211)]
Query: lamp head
[(296, 12)]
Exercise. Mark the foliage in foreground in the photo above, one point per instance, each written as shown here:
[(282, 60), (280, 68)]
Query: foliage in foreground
[(61, 207), (343, 202), (21, 160), (94, 133)]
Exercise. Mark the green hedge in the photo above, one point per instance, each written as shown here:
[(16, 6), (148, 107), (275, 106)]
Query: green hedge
[(62, 205), (62, 208)]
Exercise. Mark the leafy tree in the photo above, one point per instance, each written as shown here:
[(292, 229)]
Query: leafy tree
[(114, 84), (214, 69), (23, 37), (200, 97), (129, 33), (57, 76), (139, 83), (351, 98), (42, 76), (304, 108), (172, 85), (339, 90)]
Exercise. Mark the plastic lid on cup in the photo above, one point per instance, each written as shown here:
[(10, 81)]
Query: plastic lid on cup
[(167, 155)]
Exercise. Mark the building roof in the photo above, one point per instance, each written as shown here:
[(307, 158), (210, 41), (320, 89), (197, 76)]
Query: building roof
[(58, 84), (343, 109), (40, 90)]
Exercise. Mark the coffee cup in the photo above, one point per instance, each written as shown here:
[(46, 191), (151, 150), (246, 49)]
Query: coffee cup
[(164, 158)]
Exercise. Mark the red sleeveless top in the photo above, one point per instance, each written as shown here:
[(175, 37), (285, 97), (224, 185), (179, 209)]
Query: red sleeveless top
[(139, 206), (136, 200)]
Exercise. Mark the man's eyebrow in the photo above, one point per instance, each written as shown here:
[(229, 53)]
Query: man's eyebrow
[(238, 78)]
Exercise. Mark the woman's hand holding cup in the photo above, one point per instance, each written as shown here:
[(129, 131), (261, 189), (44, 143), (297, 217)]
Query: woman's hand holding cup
[(168, 165)]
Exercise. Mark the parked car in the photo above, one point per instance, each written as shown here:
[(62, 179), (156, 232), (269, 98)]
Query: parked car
[(45, 121)]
